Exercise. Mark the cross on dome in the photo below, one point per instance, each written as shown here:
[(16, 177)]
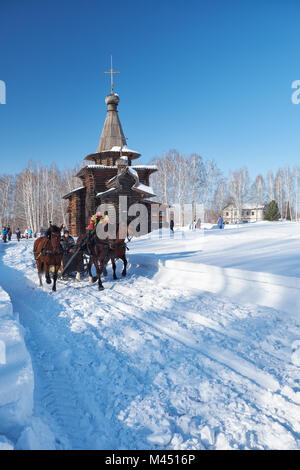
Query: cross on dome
[(112, 71)]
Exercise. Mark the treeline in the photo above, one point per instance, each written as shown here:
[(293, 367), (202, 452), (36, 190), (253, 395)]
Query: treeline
[(34, 196), (184, 179)]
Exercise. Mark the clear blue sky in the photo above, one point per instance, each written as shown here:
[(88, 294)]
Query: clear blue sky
[(212, 77)]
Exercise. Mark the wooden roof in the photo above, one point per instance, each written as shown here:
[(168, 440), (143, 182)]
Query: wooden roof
[(112, 140), (82, 171), (112, 133), (74, 191)]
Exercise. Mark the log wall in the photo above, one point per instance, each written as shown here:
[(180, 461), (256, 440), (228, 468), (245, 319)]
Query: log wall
[(83, 204)]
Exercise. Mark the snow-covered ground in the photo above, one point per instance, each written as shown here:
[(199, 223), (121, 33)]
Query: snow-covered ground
[(174, 356), (16, 376)]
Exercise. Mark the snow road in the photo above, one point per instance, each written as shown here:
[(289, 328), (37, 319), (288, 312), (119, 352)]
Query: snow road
[(146, 364)]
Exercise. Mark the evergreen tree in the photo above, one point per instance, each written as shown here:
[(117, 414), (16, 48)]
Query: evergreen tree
[(272, 211)]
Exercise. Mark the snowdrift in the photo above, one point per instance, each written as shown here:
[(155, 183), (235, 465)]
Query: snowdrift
[(16, 376), (245, 287)]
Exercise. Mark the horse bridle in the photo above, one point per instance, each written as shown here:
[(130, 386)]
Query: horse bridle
[(49, 252)]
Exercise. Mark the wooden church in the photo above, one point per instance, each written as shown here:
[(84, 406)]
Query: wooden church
[(109, 173)]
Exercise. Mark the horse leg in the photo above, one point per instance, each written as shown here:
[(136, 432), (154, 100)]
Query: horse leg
[(78, 271), (91, 261), (39, 268), (114, 266), (99, 270), (48, 279), (79, 268), (125, 265), (55, 278)]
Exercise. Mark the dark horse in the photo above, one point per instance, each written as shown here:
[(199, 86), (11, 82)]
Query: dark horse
[(99, 253), (117, 250), (47, 252)]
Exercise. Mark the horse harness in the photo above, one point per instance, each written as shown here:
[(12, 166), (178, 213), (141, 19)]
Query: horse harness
[(114, 244), (53, 252), (111, 244)]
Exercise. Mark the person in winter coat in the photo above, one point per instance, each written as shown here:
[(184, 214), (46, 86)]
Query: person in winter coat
[(30, 233), (9, 234), (172, 228), (18, 233), (4, 234), (220, 222), (67, 242)]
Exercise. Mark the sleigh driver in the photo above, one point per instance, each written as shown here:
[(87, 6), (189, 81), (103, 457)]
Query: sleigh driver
[(68, 247)]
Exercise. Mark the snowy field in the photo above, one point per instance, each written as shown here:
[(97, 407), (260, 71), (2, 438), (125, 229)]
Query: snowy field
[(198, 348)]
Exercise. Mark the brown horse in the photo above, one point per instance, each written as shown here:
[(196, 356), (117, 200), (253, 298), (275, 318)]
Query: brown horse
[(117, 250), (47, 252)]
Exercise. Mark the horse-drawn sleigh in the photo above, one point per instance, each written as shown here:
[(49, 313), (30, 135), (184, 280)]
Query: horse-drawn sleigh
[(87, 252)]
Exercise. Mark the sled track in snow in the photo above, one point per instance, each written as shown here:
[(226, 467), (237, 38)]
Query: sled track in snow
[(57, 399), (60, 400), (57, 393)]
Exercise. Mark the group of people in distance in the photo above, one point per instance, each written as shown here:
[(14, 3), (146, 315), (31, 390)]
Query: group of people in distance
[(6, 234), (28, 233), (195, 224)]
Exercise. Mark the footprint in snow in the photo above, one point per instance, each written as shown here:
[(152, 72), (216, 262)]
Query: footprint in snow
[(296, 353)]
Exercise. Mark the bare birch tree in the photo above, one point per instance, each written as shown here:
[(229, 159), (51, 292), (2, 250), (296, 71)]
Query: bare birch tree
[(239, 188)]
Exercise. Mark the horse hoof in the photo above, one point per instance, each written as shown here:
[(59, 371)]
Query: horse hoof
[(101, 288), (115, 278), (48, 281), (123, 274)]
